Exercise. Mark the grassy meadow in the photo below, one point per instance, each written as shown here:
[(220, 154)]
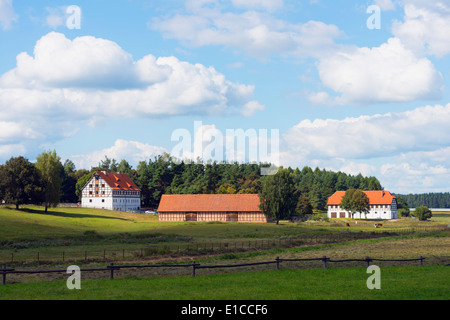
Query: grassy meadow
[(106, 235), (397, 283)]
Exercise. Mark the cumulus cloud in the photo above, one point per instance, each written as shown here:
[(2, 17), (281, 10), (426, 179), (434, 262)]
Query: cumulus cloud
[(388, 73), (364, 137), (251, 108), (7, 14), (407, 151), (418, 172), (426, 27), (208, 143), (67, 81), (132, 151), (254, 32)]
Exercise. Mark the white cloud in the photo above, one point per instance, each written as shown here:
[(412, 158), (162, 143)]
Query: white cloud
[(55, 17), (426, 27), (256, 33), (364, 137), (251, 108), (407, 151), (7, 14), (132, 151), (418, 172), (10, 150), (385, 5), (269, 5), (208, 143), (68, 81), (388, 73)]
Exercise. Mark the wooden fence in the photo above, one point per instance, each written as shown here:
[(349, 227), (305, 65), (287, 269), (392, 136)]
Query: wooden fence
[(111, 255), (107, 255), (111, 268)]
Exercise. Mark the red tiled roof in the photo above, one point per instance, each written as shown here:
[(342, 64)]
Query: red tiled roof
[(118, 181), (375, 197), (209, 203)]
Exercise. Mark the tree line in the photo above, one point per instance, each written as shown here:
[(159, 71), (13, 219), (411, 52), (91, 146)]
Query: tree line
[(431, 200), (49, 181)]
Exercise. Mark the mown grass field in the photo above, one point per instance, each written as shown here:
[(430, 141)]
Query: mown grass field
[(397, 283), (74, 230)]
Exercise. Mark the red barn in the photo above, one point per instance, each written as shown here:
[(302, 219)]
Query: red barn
[(211, 207)]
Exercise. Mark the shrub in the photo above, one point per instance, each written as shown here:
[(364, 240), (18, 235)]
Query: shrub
[(404, 212), (319, 217), (92, 235), (422, 213)]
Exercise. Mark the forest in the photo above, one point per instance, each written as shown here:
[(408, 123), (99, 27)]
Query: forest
[(431, 200), (166, 175)]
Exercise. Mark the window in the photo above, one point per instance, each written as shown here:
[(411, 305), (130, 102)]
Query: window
[(103, 185), (103, 200), (90, 192), (90, 200), (90, 186)]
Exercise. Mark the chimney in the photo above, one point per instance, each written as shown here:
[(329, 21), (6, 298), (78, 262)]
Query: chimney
[(382, 194)]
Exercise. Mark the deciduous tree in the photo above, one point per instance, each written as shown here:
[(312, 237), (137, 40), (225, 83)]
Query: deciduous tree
[(51, 170), (354, 201), (279, 195), (20, 182)]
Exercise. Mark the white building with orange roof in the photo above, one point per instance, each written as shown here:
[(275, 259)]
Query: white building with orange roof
[(111, 191), (383, 205)]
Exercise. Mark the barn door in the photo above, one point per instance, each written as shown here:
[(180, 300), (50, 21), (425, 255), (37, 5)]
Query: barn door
[(232, 217), (191, 216)]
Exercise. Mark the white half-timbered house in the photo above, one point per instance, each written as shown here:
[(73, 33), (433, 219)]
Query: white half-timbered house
[(111, 191), (383, 205)]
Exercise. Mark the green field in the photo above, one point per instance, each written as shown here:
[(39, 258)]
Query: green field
[(397, 283), (29, 234)]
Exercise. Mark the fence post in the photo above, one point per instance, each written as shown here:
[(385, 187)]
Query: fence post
[(4, 275), (324, 260), (278, 263), (193, 268), (111, 275), (368, 261), (421, 260)]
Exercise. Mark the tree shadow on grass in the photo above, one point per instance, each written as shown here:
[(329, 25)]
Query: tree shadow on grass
[(65, 214)]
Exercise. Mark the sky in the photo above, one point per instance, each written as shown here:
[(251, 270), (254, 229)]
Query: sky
[(351, 86)]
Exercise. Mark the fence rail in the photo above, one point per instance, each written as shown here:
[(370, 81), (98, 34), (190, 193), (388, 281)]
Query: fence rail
[(107, 255), (111, 268)]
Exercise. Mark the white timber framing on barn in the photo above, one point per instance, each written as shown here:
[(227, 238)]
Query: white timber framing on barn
[(111, 191)]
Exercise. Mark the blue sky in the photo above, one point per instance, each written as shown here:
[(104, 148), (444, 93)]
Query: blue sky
[(343, 96)]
